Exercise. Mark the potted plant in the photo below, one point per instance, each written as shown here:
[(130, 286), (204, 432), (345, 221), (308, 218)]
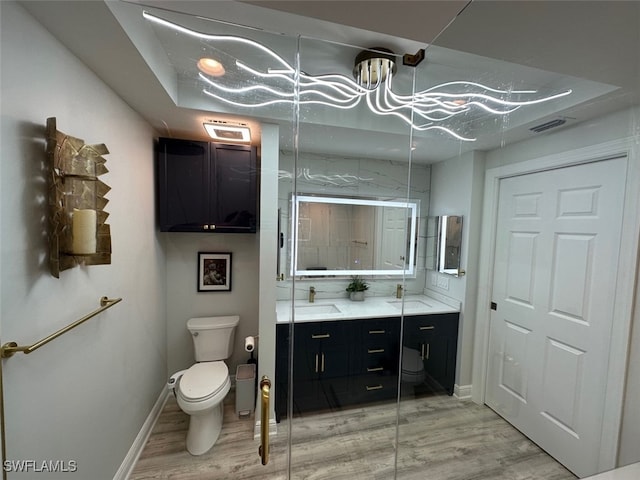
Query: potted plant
[(357, 288)]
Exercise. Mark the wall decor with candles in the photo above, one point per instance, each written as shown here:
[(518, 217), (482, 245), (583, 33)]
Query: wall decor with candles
[(78, 234)]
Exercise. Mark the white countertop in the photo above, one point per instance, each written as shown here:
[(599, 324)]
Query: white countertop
[(371, 307)]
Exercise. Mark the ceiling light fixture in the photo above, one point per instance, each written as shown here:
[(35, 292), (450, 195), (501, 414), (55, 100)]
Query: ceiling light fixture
[(434, 108), (228, 133), (372, 67), (211, 67)]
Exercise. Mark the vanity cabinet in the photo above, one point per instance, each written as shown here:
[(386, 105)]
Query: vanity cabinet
[(357, 361), (206, 187), (321, 366), (435, 338)]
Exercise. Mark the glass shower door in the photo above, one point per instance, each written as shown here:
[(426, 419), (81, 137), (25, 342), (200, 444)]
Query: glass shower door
[(356, 208)]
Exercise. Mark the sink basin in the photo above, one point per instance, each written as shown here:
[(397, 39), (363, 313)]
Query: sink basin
[(320, 309), (408, 304)]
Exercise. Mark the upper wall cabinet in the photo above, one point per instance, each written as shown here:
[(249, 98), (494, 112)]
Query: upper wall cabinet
[(207, 187)]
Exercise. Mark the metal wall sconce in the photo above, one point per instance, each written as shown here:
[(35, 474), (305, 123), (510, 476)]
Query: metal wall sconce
[(78, 233)]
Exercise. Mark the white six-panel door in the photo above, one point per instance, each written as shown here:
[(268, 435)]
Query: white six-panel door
[(557, 245)]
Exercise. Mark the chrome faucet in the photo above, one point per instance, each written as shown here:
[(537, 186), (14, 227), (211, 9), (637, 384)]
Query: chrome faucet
[(312, 294), (399, 290)]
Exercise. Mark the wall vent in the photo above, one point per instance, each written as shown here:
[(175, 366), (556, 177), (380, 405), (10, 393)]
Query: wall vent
[(548, 125)]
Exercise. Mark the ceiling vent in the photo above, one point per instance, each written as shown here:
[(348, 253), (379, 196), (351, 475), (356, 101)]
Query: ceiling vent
[(548, 125)]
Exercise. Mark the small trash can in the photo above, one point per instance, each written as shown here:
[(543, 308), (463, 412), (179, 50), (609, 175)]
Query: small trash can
[(245, 389)]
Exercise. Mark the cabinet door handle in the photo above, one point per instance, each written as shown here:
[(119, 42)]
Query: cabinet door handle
[(427, 351), (375, 350), (373, 332), (373, 387), (427, 327), (322, 364), (422, 351), (316, 363), (320, 335), (375, 369)]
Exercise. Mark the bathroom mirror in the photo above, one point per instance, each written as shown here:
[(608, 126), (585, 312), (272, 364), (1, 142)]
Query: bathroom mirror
[(444, 242), (347, 236)]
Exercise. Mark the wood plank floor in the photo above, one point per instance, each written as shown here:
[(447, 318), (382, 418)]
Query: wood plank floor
[(438, 438)]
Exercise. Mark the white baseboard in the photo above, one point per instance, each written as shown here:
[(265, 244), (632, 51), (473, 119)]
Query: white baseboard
[(141, 439), (462, 392)]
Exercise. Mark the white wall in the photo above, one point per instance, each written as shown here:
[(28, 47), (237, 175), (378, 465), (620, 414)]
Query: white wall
[(456, 189), (85, 396)]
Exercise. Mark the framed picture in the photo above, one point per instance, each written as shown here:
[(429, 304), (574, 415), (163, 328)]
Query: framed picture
[(214, 272)]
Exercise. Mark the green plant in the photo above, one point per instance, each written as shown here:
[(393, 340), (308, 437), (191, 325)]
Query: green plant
[(357, 284)]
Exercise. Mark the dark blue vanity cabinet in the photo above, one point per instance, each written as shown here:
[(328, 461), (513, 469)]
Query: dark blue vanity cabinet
[(349, 362), (207, 187)]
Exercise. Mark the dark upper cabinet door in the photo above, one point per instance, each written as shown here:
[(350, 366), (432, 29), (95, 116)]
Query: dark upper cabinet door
[(183, 190), (233, 179), (207, 187)]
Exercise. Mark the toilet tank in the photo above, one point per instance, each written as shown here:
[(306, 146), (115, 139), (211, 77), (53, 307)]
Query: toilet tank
[(213, 337)]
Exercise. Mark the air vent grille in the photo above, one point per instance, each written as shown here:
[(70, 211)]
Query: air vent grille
[(548, 125)]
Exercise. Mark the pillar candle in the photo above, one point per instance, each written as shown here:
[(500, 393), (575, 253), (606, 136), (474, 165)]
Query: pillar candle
[(84, 231)]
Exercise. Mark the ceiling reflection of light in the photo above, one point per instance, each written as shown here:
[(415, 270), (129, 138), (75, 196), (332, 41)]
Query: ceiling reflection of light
[(281, 84)]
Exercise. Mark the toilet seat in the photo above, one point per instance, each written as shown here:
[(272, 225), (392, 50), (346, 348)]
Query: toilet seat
[(203, 380)]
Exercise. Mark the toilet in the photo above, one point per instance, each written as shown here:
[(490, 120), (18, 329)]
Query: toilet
[(201, 389), (412, 366)]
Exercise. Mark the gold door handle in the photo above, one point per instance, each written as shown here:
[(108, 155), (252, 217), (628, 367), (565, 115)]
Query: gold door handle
[(375, 350), (263, 450), (373, 332)]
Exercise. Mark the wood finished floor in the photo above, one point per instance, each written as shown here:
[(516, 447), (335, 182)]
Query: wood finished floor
[(439, 438)]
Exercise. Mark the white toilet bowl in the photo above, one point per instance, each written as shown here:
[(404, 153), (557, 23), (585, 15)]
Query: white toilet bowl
[(200, 392), (412, 366)]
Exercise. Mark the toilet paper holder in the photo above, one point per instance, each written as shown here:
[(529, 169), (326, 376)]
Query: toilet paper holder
[(250, 343)]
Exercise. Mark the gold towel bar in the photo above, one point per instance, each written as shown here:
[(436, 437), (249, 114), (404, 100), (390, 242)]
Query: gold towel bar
[(8, 349)]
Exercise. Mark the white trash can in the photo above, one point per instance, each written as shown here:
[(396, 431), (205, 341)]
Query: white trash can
[(245, 389)]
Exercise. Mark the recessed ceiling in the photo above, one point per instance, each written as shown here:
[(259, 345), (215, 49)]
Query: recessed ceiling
[(171, 95)]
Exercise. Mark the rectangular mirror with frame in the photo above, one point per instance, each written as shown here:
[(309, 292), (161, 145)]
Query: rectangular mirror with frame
[(341, 236)]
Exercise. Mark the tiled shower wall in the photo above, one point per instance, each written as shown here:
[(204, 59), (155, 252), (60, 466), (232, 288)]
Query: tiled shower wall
[(361, 178)]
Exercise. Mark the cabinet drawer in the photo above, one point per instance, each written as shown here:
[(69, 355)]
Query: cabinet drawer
[(424, 325), (325, 333), (368, 388)]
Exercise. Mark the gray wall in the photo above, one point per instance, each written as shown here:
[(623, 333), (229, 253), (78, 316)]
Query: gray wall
[(184, 301), (85, 396)]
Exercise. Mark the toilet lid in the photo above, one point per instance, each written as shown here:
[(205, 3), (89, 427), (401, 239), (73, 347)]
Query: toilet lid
[(203, 380)]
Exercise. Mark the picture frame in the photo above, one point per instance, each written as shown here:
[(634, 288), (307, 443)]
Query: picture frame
[(214, 272)]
